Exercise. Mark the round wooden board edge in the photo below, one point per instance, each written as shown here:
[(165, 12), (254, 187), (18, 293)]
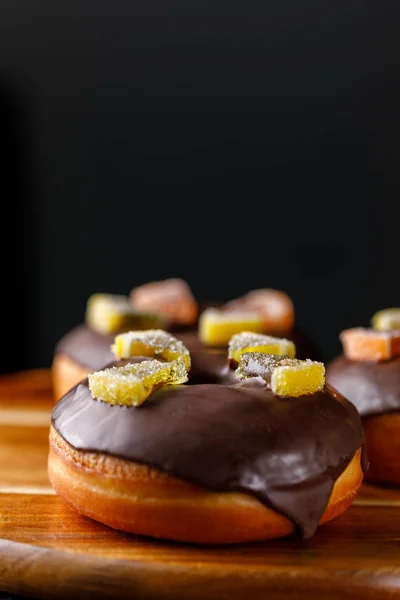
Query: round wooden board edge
[(48, 573)]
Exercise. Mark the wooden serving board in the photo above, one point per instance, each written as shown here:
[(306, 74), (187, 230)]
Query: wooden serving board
[(49, 551)]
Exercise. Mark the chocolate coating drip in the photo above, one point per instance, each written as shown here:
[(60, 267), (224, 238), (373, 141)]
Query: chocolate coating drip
[(288, 452), (374, 388)]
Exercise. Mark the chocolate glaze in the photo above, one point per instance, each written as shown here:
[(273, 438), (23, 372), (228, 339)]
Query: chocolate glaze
[(374, 388), (288, 452)]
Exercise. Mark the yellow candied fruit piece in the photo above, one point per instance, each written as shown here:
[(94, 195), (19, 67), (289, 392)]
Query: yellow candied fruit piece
[(260, 364), (132, 384), (155, 343), (286, 376), (386, 320), (216, 327), (110, 313), (305, 377), (247, 341)]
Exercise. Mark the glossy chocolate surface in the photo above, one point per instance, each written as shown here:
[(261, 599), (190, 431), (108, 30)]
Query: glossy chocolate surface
[(374, 388), (287, 452)]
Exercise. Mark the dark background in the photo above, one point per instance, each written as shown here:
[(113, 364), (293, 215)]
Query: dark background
[(234, 145)]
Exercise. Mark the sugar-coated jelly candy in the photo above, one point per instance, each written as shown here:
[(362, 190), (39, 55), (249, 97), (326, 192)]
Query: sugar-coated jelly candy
[(216, 327), (285, 376), (109, 313), (387, 319), (360, 343), (275, 307), (247, 341), (260, 364), (154, 343), (132, 384), (171, 298)]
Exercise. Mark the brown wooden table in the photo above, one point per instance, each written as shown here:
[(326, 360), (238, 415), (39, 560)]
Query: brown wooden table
[(49, 551)]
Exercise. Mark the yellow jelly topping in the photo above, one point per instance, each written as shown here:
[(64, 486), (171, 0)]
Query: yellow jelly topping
[(132, 384), (247, 341), (285, 376), (154, 343), (387, 319), (108, 313), (216, 327)]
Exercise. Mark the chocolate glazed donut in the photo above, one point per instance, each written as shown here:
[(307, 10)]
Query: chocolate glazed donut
[(374, 389), (208, 463)]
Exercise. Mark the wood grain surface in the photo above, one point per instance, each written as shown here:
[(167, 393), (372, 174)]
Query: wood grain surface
[(49, 551)]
